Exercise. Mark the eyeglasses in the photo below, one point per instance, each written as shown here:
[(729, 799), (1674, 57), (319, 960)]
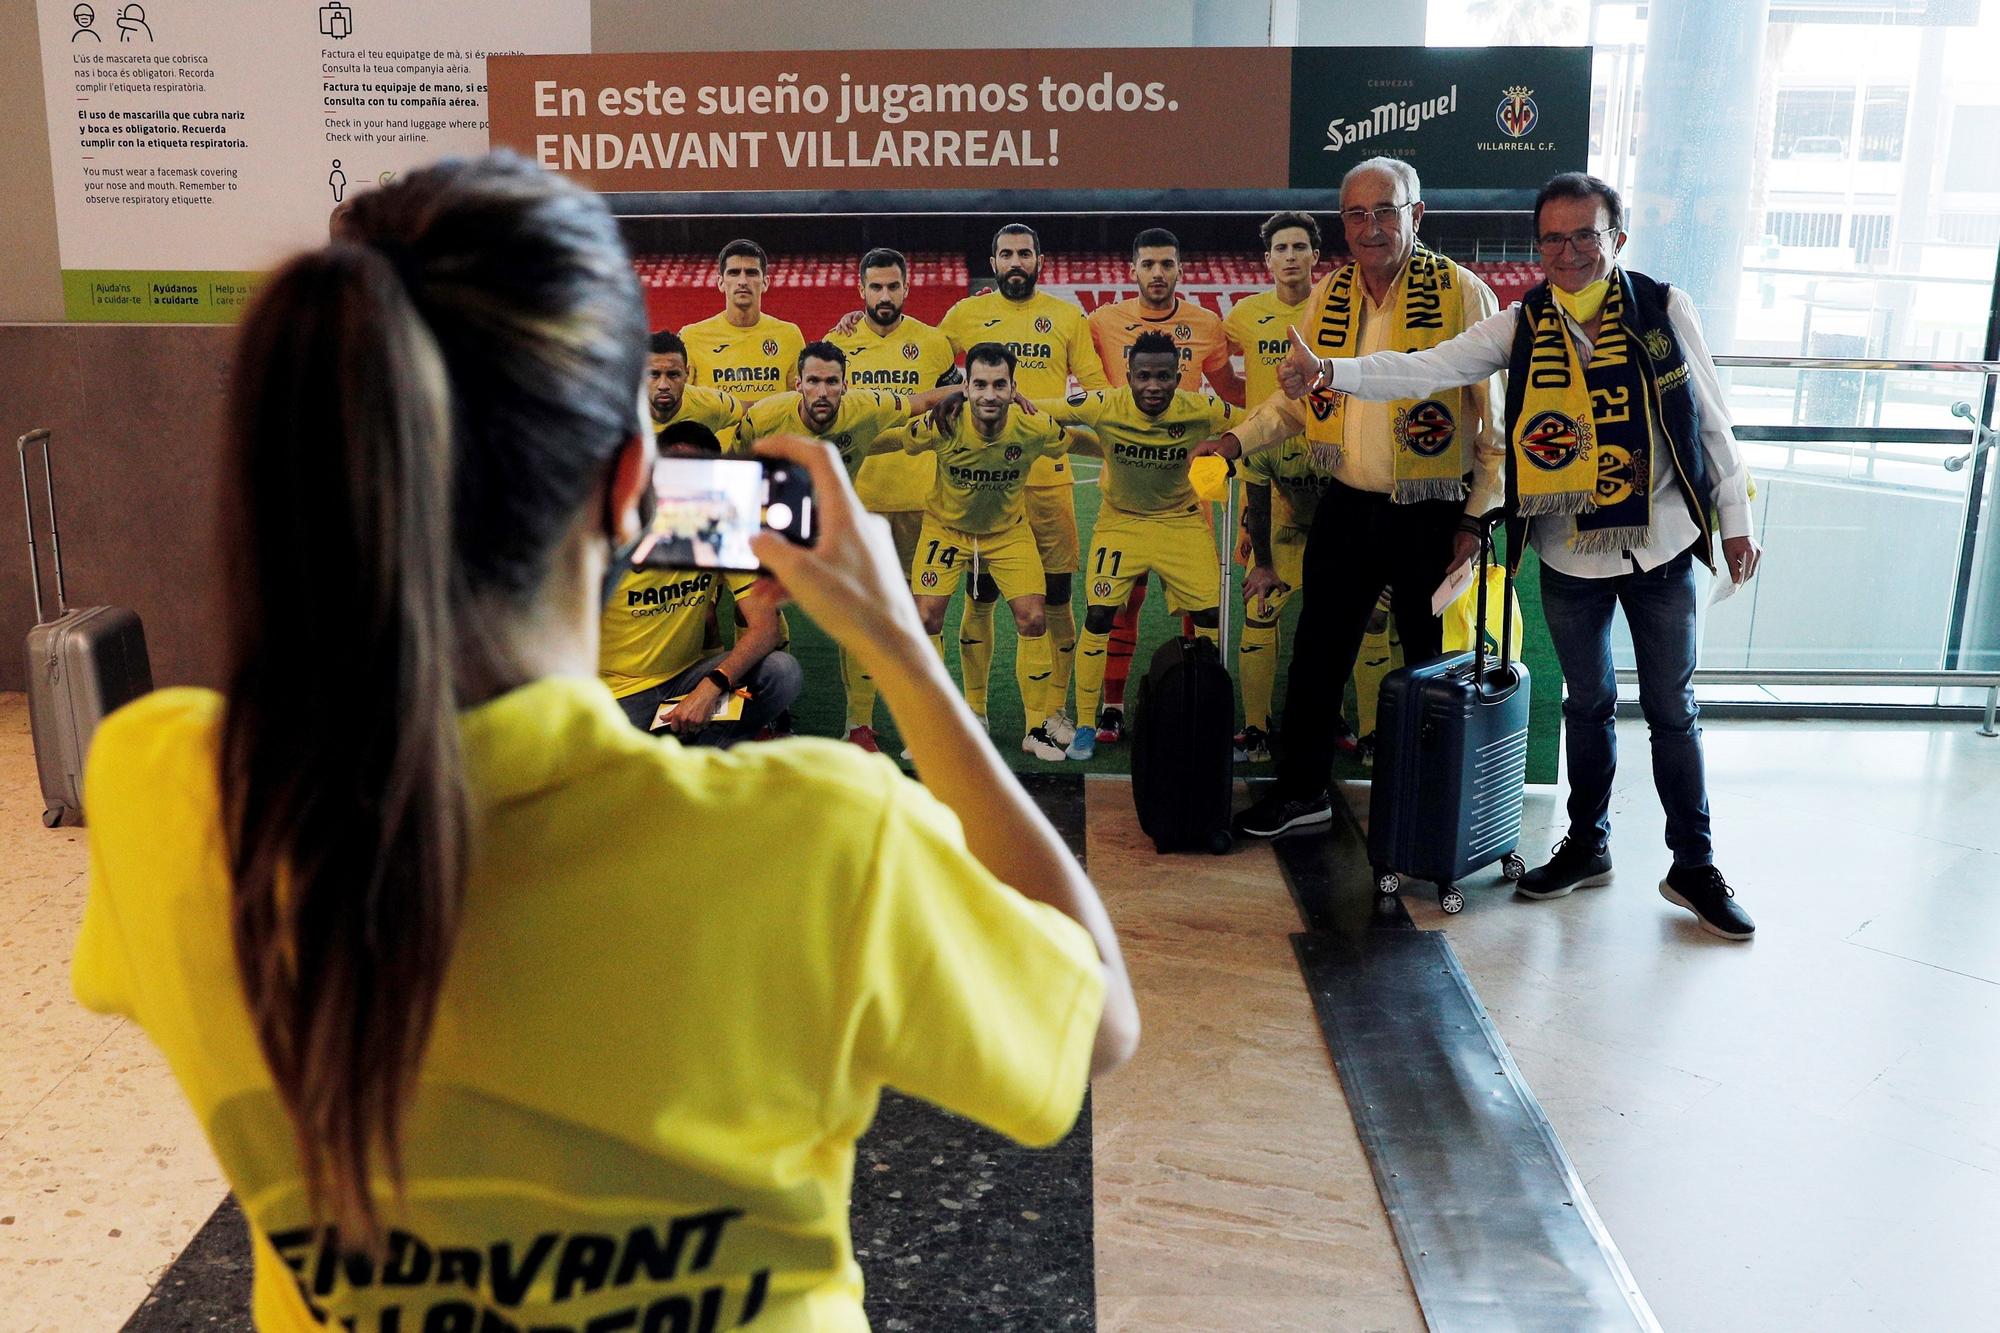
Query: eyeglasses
[(1585, 243), (1384, 216)]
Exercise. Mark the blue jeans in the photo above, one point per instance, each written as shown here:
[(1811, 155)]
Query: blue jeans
[(773, 684), (1660, 611)]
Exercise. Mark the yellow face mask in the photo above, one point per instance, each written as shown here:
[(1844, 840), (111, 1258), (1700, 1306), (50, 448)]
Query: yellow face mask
[(1584, 305)]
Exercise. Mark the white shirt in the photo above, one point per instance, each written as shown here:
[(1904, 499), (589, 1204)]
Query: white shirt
[(1368, 443), (1488, 346)]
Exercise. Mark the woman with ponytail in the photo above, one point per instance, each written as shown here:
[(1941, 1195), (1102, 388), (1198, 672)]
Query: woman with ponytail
[(497, 1013)]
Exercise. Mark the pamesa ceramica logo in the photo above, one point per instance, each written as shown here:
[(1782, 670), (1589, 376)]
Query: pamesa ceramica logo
[(1388, 118), (1516, 115)]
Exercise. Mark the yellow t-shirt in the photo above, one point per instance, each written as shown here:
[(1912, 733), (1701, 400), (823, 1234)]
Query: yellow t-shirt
[(863, 415), (1051, 341), (718, 411), (751, 363), (680, 981), (1296, 485), (1260, 325), (912, 358), (1145, 458), (1195, 329), (979, 481), (653, 628)]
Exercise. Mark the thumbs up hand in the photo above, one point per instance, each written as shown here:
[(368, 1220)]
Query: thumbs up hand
[(1301, 371)]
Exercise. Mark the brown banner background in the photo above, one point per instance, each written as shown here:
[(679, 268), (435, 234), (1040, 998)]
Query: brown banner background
[(1224, 119)]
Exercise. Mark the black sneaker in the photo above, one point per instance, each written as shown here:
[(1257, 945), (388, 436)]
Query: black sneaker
[(1573, 866), (1110, 726), (1278, 813), (1703, 891)]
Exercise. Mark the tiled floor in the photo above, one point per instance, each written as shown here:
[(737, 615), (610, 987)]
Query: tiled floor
[(1801, 1132), (1798, 1133)]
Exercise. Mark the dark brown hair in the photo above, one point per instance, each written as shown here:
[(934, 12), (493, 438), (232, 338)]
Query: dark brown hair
[(420, 412), (1581, 185)]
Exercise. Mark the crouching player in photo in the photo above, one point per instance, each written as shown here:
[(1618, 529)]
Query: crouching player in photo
[(1151, 520), (651, 642)]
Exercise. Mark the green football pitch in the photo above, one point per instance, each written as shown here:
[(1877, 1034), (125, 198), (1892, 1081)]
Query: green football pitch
[(822, 708)]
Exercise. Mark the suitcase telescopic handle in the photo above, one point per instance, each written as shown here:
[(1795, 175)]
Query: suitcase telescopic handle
[(21, 447), (1487, 523)]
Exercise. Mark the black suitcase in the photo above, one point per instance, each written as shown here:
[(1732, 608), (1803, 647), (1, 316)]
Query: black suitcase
[(1184, 734), (81, 666), (1451, 765)]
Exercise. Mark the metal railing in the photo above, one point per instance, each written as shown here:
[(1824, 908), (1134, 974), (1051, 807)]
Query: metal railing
[(1971, 680), (1976, 435)]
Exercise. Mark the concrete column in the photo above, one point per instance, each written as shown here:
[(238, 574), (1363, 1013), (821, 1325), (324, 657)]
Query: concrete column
[(1697, 139)]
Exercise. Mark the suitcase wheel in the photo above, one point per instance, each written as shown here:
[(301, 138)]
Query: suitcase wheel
[(1388, 883), (1221, 843), (1450, 899), (1512, 866)]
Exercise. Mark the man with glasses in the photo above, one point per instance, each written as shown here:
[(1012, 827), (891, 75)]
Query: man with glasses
[(1620, 465), (1409, 478)]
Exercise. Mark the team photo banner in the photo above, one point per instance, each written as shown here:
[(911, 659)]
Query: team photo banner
[(1238, 118)]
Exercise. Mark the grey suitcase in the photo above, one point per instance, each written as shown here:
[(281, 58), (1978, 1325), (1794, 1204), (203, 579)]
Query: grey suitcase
[(82, 665)]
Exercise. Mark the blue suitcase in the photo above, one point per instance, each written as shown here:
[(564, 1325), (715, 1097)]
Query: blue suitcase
[(1451, 766)]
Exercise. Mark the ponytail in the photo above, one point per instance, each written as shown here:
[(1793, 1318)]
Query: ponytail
[(343, 799), (421, 414)]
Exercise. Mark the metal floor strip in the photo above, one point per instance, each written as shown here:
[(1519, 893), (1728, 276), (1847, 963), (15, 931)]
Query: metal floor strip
[(1493, 1221)]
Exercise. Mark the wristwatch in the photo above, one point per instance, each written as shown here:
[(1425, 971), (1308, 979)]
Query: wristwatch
[(720, 680)]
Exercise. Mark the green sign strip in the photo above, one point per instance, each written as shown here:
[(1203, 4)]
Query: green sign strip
[(157, 296)]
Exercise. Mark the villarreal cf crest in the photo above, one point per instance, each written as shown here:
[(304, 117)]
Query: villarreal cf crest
[(1426, 428), (1552, 441)]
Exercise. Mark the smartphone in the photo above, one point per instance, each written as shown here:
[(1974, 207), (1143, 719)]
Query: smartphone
[(705, 510)]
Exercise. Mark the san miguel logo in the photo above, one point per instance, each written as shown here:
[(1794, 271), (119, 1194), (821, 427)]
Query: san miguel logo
[(1388, 118), (1045, 325), (1516, 114), (770, 347), (1427, 428), (910, 352), (1552, 441)]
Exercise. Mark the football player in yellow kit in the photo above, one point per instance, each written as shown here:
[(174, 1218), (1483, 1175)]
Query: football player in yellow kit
[(1257, 327), (742, 350), (887, 349), (1204, 348), (976, 521), (670, 398), (1151, 521), (1051, 341)]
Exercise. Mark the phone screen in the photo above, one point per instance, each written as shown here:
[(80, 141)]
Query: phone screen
[(705, 511)]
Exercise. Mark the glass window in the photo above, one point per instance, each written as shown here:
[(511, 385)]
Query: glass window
[(1882, 119), (1973, 163), (1813, 123)]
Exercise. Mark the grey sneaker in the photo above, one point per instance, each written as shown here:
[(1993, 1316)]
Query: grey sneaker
[(1059, 727), (1573, 866)]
